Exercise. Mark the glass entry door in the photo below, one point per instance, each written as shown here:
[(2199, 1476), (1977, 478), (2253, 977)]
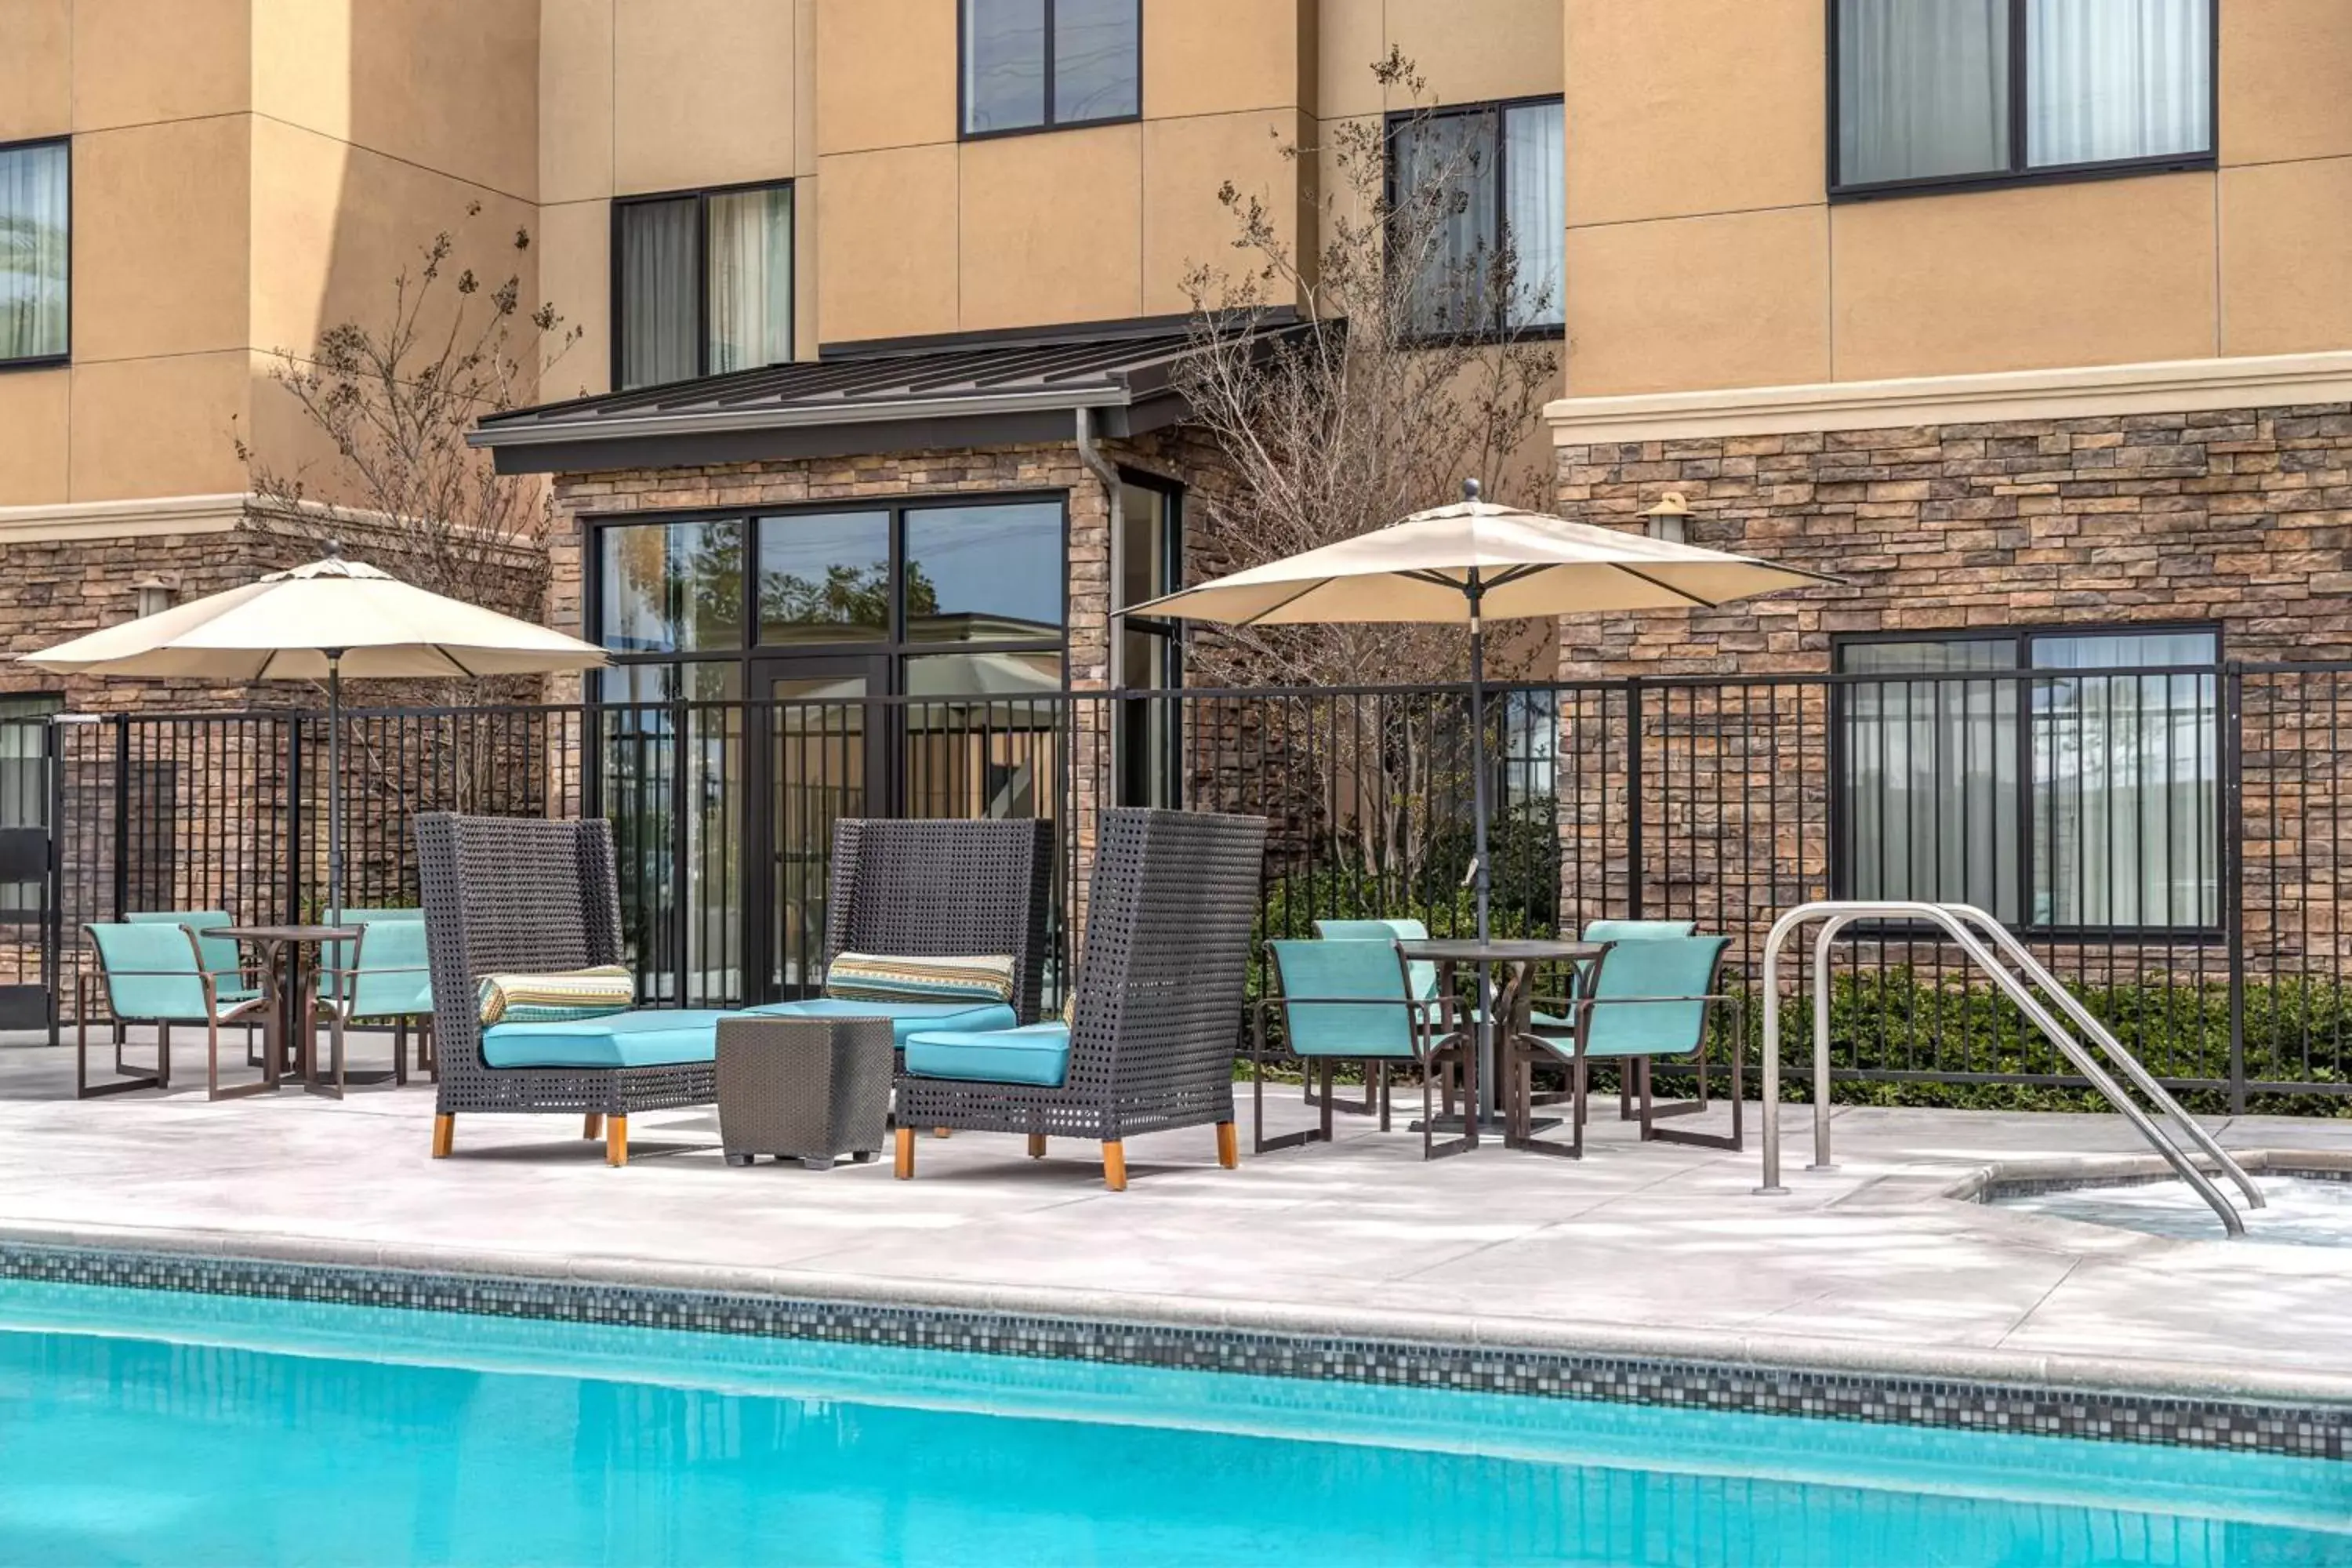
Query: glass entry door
[(824, 755)]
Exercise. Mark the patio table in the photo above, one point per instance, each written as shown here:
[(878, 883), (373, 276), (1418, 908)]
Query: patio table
[(1516, 957), (288, 978)]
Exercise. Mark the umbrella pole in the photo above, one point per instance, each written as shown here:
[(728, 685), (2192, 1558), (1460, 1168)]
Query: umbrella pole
[(1480, 885), (334, 786)]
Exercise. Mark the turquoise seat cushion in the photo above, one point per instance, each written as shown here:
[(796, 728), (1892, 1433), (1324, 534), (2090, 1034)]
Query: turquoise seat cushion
[(1038, 1055), (647, 1036), (905, 1018)]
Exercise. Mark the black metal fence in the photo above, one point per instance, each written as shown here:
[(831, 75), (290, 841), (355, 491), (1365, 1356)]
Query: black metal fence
[(2170, 840)]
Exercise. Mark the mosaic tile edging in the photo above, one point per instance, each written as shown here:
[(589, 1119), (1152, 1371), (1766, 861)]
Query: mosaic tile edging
[(1995, 1188), (2316, 1431)]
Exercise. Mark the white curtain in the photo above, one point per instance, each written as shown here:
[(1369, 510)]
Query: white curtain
[(33, 255), (1931, 773), (657, 292), (750, 267), (2125, 788), (1923, 88), (1444, 177), (1534, 195), (2117, 78)]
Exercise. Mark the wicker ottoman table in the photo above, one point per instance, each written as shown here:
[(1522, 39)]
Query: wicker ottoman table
[(810, 1090)]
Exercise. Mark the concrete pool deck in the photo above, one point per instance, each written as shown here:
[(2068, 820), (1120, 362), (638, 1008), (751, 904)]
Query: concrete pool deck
[(1638, 1249)]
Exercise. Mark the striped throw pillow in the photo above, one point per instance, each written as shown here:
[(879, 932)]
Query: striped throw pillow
[(865, 977), (557, 998)]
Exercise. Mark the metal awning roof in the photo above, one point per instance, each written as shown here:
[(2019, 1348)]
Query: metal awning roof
[(901, 398)]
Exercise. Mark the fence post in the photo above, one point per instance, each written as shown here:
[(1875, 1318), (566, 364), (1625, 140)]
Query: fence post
[(1634, 798), (293, 819), (121, 814), (53, 885), (2233, 872), (681, 858)]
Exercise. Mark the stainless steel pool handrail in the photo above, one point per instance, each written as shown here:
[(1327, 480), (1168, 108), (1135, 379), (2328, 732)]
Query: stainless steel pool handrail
[(1955, 921)]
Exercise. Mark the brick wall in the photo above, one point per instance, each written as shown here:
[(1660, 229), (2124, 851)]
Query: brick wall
[(2240, 517)]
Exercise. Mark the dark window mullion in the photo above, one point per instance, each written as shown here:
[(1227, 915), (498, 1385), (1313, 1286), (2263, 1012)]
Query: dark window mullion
[(1052, 89), (2021, 158)]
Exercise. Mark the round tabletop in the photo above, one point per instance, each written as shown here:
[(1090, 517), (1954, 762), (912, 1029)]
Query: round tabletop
[(286, 933), (1500, 949)]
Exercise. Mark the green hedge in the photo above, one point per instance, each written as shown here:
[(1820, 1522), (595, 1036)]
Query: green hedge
[(1893, 1019)]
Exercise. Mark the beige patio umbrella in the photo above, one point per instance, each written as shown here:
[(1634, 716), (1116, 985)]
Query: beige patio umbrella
[(324, 620), (1465, 563)]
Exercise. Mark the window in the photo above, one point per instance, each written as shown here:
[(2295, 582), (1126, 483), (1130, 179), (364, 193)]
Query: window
[(1040, 65), (35, 270), (1931, 92), (964, 596), (703, 284), (1150, 563), (1496, 173), (1975, 771)]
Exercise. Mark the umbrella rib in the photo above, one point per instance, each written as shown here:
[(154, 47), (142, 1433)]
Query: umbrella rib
[(1286, 604), (1669, 587), (453, 658)]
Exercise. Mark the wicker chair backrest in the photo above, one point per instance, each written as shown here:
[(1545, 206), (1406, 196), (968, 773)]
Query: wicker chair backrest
[(1168, 917), (928, 889), (507, 894)]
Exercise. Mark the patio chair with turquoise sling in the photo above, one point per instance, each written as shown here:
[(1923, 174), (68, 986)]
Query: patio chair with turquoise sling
[(1650, 997), (1421, 984), (386, 980), (1348, 1000), (155, 972), (1558, 1024)]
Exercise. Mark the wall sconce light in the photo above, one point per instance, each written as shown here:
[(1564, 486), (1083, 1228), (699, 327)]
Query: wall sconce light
[(154, 596), (1668, 516)]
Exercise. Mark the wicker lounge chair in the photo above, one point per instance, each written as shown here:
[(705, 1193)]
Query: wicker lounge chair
[(932, 889), (514, 894), (1158, 1010)]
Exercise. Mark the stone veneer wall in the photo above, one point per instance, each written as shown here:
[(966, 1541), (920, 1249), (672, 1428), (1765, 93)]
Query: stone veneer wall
[(2239, 518)]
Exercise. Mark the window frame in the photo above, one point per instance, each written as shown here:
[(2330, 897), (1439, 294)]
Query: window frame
[(964, 132), (2019, 172), (893, 645), (701, 195), (65, 356), (1842, 851), (1500, 332)]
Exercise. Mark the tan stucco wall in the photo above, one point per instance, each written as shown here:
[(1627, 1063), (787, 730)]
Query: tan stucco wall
[(1703, 253), (245, 174), (919, 232)]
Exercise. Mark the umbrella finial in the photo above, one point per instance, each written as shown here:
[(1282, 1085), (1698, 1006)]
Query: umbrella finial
[(334, 549), (1470, 491)]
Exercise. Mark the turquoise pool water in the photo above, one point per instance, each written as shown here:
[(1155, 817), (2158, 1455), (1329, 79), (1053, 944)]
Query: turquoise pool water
[(146, 1428)]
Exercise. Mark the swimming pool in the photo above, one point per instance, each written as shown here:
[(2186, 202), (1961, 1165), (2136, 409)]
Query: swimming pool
[(139, 1426)]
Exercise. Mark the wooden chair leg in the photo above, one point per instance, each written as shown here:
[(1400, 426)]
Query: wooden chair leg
[(1036, 1145), (905, 1154), (445, 1133), (1115, 1164), (617, 1141), (940, 1131), (591, 1126), (1229, 1145)]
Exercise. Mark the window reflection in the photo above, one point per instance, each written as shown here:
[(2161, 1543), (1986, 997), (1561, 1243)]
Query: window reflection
[(824, 578), (673, 587), (984, 573)]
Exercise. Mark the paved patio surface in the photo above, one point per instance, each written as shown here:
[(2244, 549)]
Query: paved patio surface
[(1646, 1248)]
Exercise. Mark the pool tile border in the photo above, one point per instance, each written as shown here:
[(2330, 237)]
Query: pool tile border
[(2311, 1431)]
